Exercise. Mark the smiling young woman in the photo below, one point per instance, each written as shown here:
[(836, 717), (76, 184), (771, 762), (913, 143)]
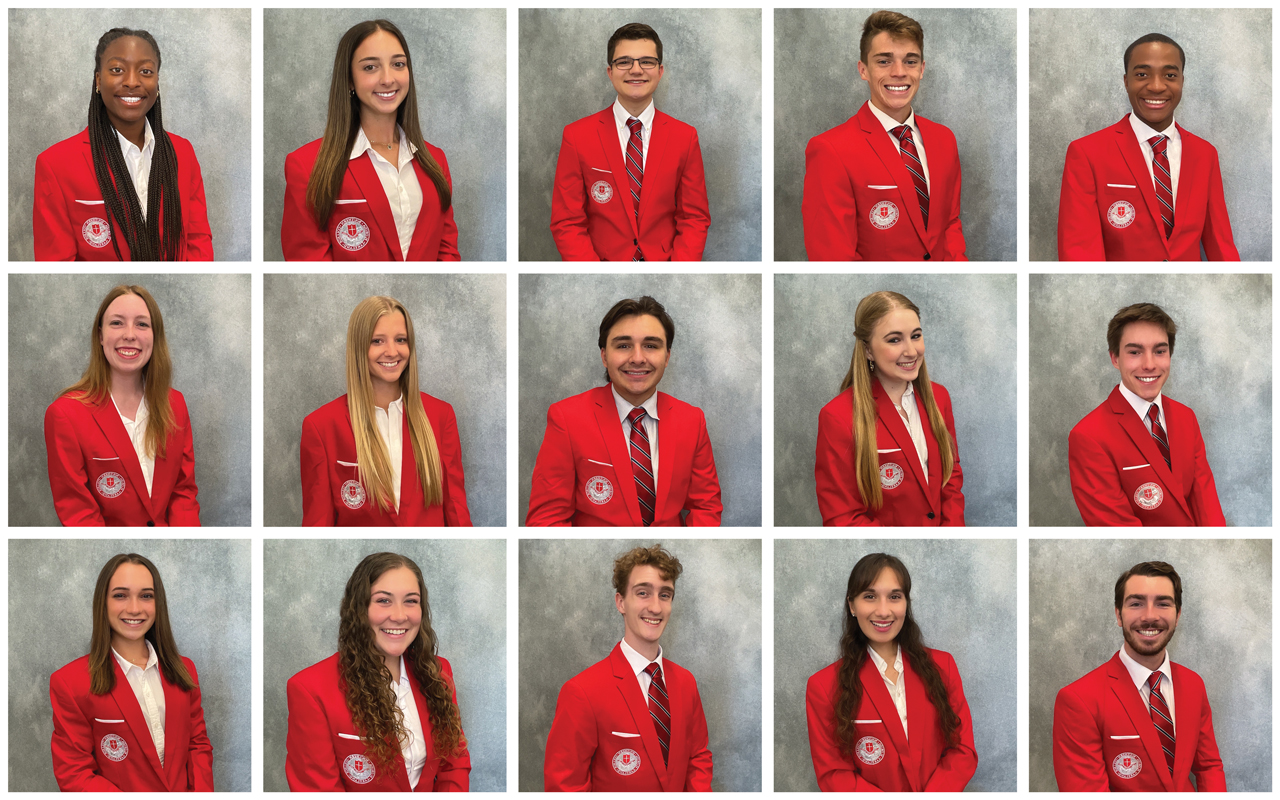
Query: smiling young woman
[(127, 717)]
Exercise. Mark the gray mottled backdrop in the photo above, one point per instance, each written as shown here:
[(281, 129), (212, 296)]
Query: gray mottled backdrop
[(461, 326), (1077, 87), (1224, 635), (568, 621), (715, 364), (467, 592), (712, 81), (1221, 368), (207, 325), (204, 82), (954, 582), (816, 88), (207, 585), (970, 325), (460, 73)]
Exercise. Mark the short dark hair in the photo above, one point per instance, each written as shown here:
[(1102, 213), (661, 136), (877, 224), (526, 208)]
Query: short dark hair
[(1139, 312), (658, 557), (628, 308), (633, 31), (898, 26), (1151, 569), (1148, 39)]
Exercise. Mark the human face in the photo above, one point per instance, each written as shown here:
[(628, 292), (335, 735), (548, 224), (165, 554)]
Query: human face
[(893, 74), (645, 609), (395, 612), (128, 80), (636, 354), (635, 86), (380, 74), (1144, 359), (389, 349), (131, 603), (1154, 83), (881, 608), (1148, 617), (897, 346), (126, 335)]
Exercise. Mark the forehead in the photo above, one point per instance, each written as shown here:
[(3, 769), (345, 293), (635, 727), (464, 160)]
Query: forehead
[(379, 43), (389, 324), (128, 305), (1148, 586), (635, 48), (129, 48), (1155, 54), (132, 575), (647, 573), (1143, 333), (887, 580), (400, 580), (638, 327), (884, 42), (903, 320)]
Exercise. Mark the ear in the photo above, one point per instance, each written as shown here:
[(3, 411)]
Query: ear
[(1119, 623), (1115, 359), (852, 613), (603, 361), (617, 602), (862, 72)]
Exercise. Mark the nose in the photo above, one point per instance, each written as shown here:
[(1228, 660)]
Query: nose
[(882, 608), (1148, 361), (1157, 83), (635, 68)]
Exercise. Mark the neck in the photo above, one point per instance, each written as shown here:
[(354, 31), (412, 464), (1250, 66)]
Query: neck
[(133, 650), (634, 108), (886, 650), (126, 387), (1152, 662), (384, 394), (634, 399), (647, 649), (895, 389), (379, 127), (1158, 127), (135, 132), (393, 664), (899, 115)]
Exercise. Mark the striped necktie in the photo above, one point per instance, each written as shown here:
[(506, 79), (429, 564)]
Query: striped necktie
[(659, 707), (635, 171), (1157, 433), (642, 466), (911, 159), (1163, 180), (1161, 718)]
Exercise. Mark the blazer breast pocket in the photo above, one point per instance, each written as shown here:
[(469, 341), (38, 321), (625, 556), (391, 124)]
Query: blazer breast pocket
[(597, 485)]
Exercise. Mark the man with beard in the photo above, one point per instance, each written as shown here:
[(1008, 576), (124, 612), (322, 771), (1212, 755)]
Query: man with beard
[(1138, 723)]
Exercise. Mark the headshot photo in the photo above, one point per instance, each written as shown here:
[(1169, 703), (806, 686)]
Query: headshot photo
[(872, 131), (656, 685), (134, 686), (110, 415), (372, 118), (1110, 446), (385, 642), (669, 170), (1144, 146), (1120, 703), (864, 433), (372, 420), (99, 175)]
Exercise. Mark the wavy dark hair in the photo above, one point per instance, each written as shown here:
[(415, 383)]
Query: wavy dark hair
[(102, 673), (366, 680), (853, 652), (158, 237)]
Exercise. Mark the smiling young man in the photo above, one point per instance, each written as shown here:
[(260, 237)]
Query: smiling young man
[(1139, 458), (1145, 189), (625, 453), (885, 185), (1138, 723), (633, 722), (629, 183)]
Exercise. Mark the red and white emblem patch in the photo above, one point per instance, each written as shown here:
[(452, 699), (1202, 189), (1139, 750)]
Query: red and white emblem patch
[(626, 762), (599, 490), (352, 494), (96, 232), (113, 747), (110, 484), (1149, 496), (884, 215), (1126, 765), (359, 768), (890, 475), (1121, 214), (351, 234), (601, 192), (870, 750)]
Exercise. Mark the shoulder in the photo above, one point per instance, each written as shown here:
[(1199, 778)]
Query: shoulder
[(69, 406), (323, 674), (839, 136), (824, 681), (676, 673), (577, 403), (67, 148), (1086, 687), (177, 400), (1094, 142), (191, 668), (73, 676), (181, 146), (840, 409), (1184, 677), (1193, 143), (584, 126), (586, 681), (330, 412), (1174, 408), (305, 155), (944, 660), (435, 407), (678, 406), (1094, 421), (940, 393), (935, 131), (676, 126), (435, 152)]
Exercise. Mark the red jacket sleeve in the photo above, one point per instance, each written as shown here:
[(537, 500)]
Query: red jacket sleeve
[(703, 500), (956, 767), (449, 237), (51, 225), (1079, 226), (183, 507), (551, 496), (317, 496), (839, 500), (456, 514), (1207, 764), (1216, 238), (569, 208), (200, 751), (829, 209), (1205, 508), (74, 766), (310, 765), (693, 214), (68, 479), (833, 769), (1077, 746), (571, 744), (698, 777), (301, 238), (1095, 484), (953, 239), (454, 772), (195, 218), (952, 496)]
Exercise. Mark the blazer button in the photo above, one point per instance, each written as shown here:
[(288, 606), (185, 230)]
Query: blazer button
[(636, 242), (927, 256), (930, 515), (151, 524)]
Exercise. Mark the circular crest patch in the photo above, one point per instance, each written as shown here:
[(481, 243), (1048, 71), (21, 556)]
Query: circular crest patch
[(1121, 214), (96, 232), (352, 494), (1126, 765), (352, 234), (110, 484), (359, 768), (601, 192), (870, 750), (884, 215), (599, 490), (113, 747), (1149, 496), (626, 762), (890, 475)]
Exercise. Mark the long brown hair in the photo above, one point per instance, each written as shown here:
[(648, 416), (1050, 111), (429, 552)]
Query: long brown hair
[(94, 386), (866, 463), (343, 125), (853, 652), (102, 671), (366, 680)]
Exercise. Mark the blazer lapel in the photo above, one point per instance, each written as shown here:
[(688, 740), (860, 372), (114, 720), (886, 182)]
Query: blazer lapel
[(902, 437), (1127, 694), (424, 717), (427, 215), (1193, 173), (619, 450), (1186, 714), (127, 701), (879, 140), (656, 160), (921, 715), (1137, 430), (366, 177), (108, 419), (177, 719), (410, 488), (613, 156), (873, 689), (629, 686), (673, 449), (1131, 151)]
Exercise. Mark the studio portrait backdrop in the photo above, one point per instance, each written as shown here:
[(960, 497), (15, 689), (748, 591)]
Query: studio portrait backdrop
[(205, 86), (712, 81), (1077, 87), (715, 365), (303, 582), (460, 74), (816, 88), (970, 325), (460, 325), (207, 325), (953, 582), (714, 632), (207, 587), (1220, 369), (1224, 635)]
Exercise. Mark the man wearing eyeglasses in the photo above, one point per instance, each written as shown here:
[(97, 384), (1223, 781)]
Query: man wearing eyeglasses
[(629, 183)]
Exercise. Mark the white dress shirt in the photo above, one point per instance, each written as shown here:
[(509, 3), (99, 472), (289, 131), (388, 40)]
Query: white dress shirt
[(898, 689), (138, 161), (414, 749), (146, 685), (890, 123), (650, 423), (399, 181), (638, 664), (620, 117), (915, 428), (1141, 406), (137, 430), (1140, 674), (390, 424), (1173, 150)]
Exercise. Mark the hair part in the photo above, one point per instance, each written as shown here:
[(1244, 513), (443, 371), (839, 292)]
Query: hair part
[(631, 32), (898, 26), (641, 306), (102, 669), (1151, 569), (658, 557), (1148, 39), (1139, 312)]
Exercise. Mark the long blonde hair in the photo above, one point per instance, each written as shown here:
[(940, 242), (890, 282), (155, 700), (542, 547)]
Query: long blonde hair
[(866, 462), (371, 452)]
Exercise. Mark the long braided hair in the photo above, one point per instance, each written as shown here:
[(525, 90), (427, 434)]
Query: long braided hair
[(158, 237)]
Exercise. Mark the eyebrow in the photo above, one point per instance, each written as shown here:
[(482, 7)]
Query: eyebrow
[(898, 333), (890, 55), (1144, 597), (376, 58), (657, 339), (1140, 346), (126, 61), (650, 586), (1148, 66), (126, 588)]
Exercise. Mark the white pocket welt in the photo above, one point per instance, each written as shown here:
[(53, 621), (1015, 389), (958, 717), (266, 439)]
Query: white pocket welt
[(1121, 186), (892, 450), (601, 463), (868, 721), (91, 202), (607, 171), (348, 202), (626, 735), (349, 736), (1135, 736), (109, 721), (348, 463), (1140, 466)]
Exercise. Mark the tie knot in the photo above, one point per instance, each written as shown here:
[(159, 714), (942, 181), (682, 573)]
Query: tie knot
[(1153, 413), (636, 415), (653, 670), (903, 133), (1158, 142), (635, 125), (1153, 680)]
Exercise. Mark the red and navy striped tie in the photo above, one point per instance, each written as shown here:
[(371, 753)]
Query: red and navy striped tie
[(642, 466), (1157, 433), (635, 171), (912, 161), (1161, 718), (1164, 180), (658, 707)]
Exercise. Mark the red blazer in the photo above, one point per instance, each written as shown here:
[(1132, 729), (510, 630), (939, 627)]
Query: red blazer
[(331, 491), (95, 475), (1118, 476), (69, 218), (860, 203), (1108, 210), (908, 499), (603, 738), (886, 760), (361, 227), (583, 473), (101, 743), (325, 753), (1104, 740), (593, 213)]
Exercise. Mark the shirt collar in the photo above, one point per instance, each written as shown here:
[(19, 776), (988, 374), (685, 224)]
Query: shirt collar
[(148, 140), (890, 123), (1144, 131), (139, 416), (362, 144), (621, 115), (1140, 674), (639, 662), (650, 406), (881, 664), (1142, 406), (126, 665), (404, 675)]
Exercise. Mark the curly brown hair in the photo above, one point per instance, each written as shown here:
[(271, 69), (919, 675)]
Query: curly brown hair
[(366, 680), (658, 557)]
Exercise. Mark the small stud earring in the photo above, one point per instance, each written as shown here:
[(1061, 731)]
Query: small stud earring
[(871, 365)]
